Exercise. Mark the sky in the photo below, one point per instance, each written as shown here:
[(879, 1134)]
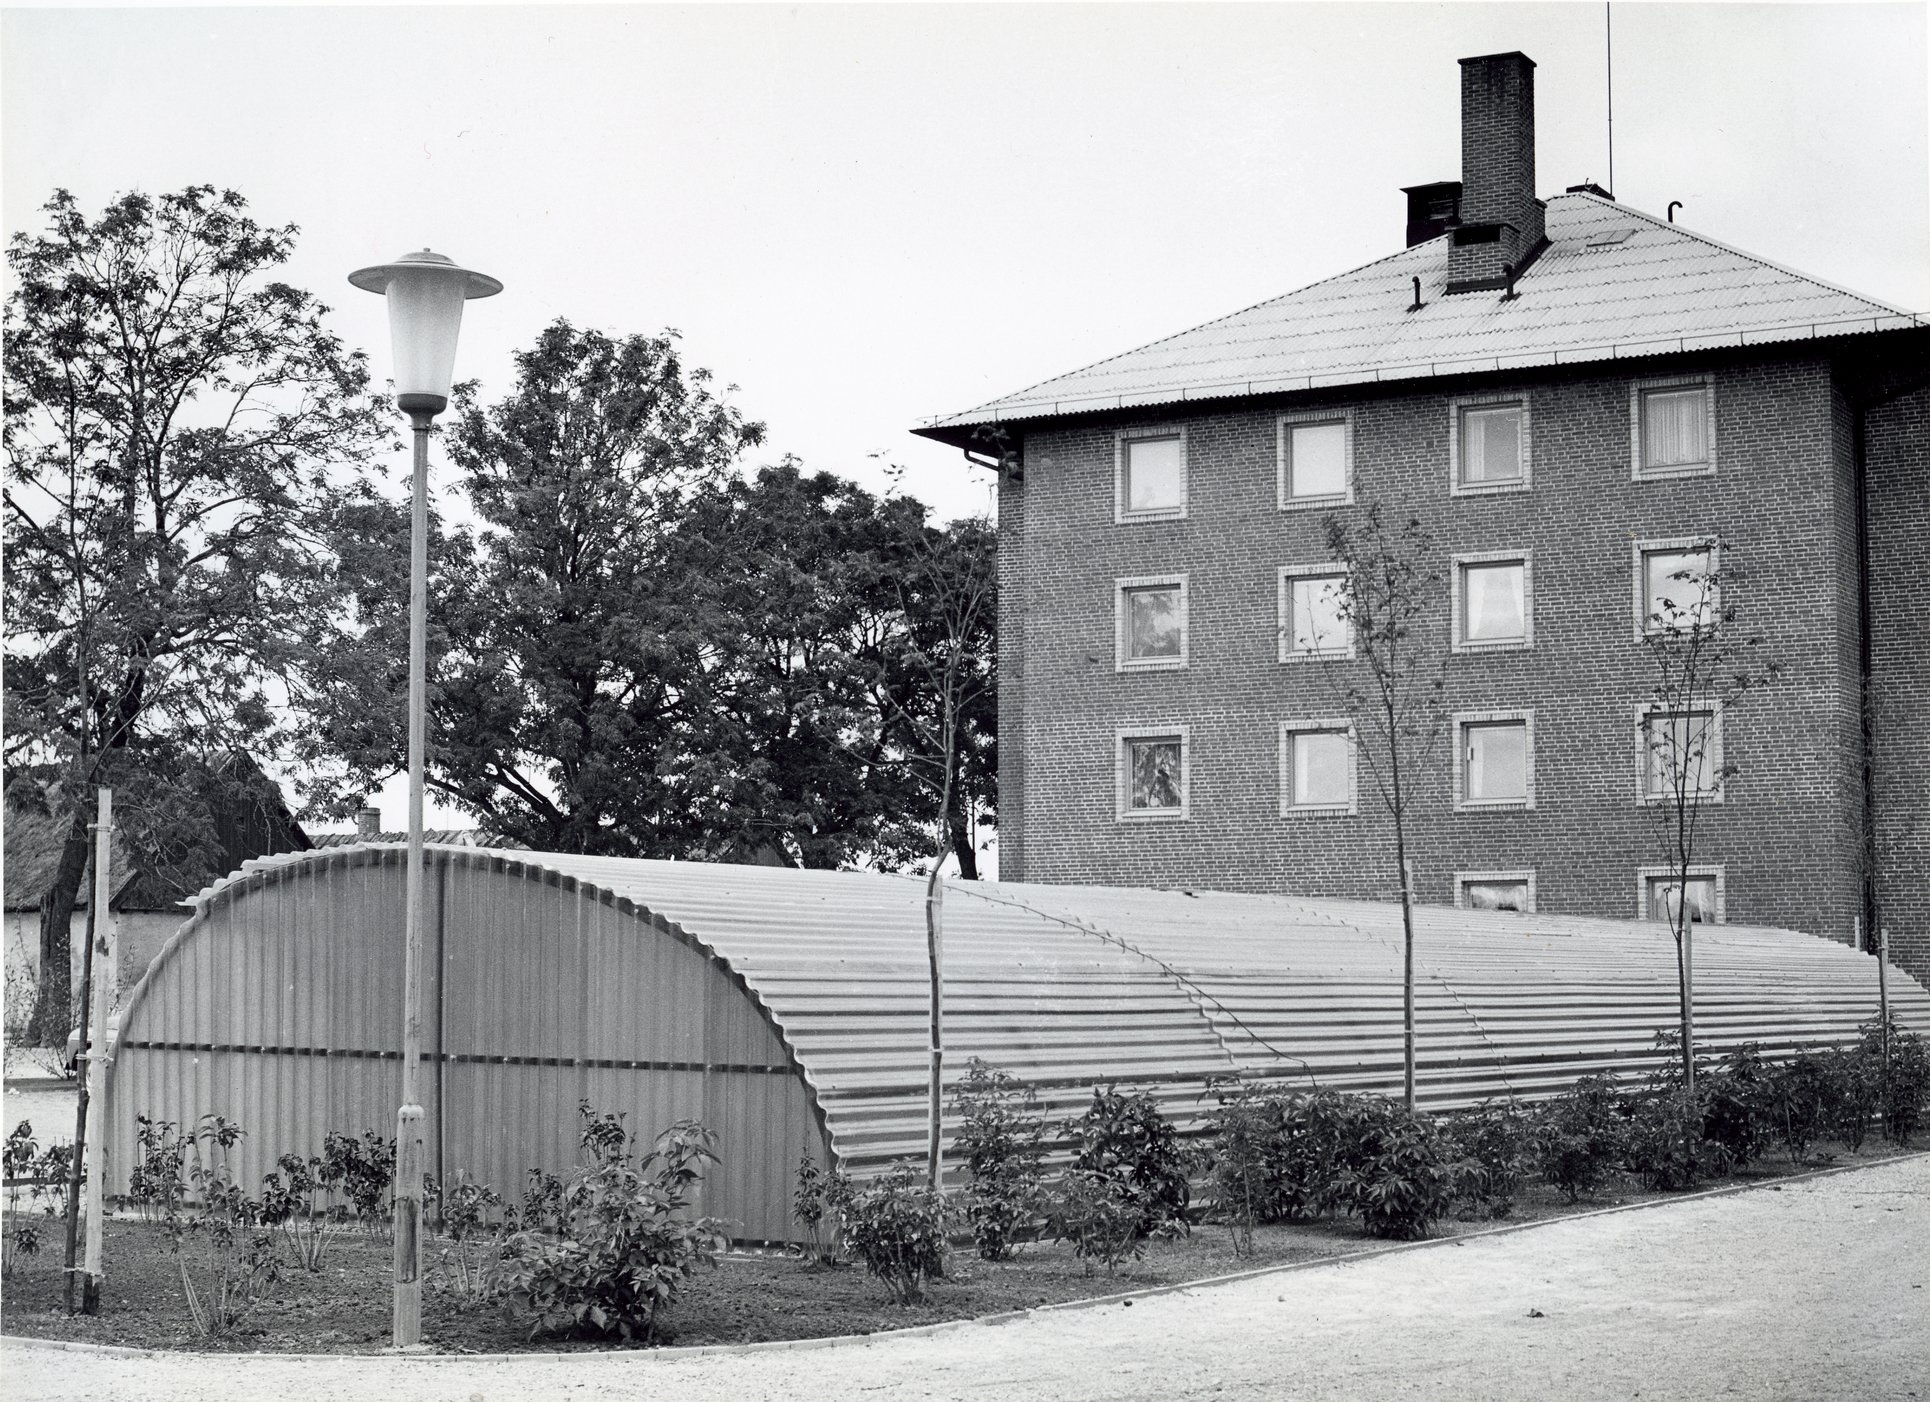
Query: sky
[(863, 216)]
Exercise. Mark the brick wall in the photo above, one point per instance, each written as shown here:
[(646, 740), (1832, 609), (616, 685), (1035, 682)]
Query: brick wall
[(1011, 664), (1897, 452), (1779, 500)]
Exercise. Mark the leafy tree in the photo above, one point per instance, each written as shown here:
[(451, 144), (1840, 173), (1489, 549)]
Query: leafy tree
[(1702, 665), (1388, 581), (180, 432)]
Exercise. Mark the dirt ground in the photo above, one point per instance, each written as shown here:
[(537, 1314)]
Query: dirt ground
[(1812, 1289)]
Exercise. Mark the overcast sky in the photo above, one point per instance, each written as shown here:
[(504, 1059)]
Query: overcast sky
[(862, 216)]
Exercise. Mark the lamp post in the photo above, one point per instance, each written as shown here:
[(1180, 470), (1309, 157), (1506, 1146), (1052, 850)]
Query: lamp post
[(425, 293)]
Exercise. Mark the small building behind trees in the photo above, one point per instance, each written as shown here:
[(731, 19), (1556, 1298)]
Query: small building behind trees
[(787, 1009)]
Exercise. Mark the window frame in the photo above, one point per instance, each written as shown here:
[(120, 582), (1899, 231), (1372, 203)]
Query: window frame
[(1460, 642), (1122, 623), (1283, 619), (1644, 712), (1121, 514), (1457, 406), (1637, 390), (1645, 874), (1319, 725), (1662, 545), (1525, 875), (1463, 719), (1123, 811), (1283, 459)]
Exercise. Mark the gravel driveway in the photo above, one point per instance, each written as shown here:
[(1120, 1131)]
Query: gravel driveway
[(1818, 1290)]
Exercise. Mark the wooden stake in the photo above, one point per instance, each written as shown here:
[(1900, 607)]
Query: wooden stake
[(100, 977), (102, 828)]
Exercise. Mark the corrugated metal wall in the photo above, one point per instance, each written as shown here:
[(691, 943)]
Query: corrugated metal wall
[(782, 1007)]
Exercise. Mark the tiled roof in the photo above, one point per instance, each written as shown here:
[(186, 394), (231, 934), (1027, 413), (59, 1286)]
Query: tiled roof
[(1614, 283), (448, 837)]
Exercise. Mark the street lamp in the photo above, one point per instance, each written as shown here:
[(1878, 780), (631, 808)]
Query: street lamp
[(425, 292)]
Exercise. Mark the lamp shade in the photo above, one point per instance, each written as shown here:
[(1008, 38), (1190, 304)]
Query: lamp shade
[(426, 292)]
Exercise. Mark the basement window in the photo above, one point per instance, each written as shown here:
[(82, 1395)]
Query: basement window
[(1660, 893), (1495, 890)]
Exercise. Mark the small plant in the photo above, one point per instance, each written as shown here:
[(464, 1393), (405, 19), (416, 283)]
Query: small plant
[(1124, 1137), (897, 1226), (624, 1247), (1002, 1135), (1494, 1147), (817, 1197), (1904, 1076), (1804, 1097), (365, 1169), (1397, 1178), (1099, 1214), (474, 1242), (1739, 1105), (1582, 1134), (154, 1183), (542, 1202), (43, 1175), (1244, 1125), (240, 1258), (290, 1202), (1664, 1146)]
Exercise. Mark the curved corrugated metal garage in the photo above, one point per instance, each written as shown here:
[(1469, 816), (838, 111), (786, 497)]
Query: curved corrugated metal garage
[(786, 1009)]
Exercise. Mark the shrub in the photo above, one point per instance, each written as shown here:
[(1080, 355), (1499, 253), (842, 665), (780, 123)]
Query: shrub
[(1904, 1080), (1002, 1136), (896, 1224), (154, 1183), (1396, 1177), (364, 1168), (1739, 1104), (237, 1256), (1663, 1144), (819, 1195), (1804, 1100), (290, 1201), (1581, 1136), (1245, 1134), (43, 1174), (1099, 1213), (542, 1202), (1492, 1148), (1125, 1138), (474, 1241), (624, 1249)]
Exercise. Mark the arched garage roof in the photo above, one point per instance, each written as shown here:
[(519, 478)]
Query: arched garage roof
[(1067, 986)]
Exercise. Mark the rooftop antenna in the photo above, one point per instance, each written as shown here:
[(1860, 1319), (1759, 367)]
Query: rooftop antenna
[(1608, 28)]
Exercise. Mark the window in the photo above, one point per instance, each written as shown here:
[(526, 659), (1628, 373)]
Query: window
[(1488, 445), (1494, 760), (1150, 471), (1677, 585), (1672, 428), (1152, 773), (1316, 460), (1149, 623), (1495, 890), (1660, 892), (1311, 621), (1317, 768), (1680, 750), (1493, 602)]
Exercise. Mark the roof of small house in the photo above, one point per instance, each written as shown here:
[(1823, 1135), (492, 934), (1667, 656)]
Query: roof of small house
[(1613, 283)]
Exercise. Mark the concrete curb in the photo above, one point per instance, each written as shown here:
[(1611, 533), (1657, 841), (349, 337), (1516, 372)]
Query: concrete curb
[(977, 1321)]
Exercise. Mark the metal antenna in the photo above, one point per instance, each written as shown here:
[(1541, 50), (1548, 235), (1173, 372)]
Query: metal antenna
[(1608, 27)]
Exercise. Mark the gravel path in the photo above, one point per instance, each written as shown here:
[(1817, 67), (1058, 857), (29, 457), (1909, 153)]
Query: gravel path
[(1818, 1290)]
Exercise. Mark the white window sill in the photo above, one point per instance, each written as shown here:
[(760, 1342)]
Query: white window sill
[(1321, 810), (1496, 645), (1494, 805), (1153, 815), (1162, 664), (1320, 503), (1489, 489), (1694, 800), (1333, 654), (1674, 470), (1129, 518)]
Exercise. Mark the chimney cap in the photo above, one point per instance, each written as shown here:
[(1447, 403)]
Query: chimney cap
[(1491, 58)]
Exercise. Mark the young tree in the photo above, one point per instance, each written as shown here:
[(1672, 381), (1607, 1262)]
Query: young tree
[(1702, 665), (1370, 617), (179, 431)]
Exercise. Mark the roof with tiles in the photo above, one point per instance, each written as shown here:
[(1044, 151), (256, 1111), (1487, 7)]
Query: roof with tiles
[(1613, 283)]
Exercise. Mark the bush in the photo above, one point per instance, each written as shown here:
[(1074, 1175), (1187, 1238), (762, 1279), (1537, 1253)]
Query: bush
[(1804, 1100), (624, 1249), (43, 1174), (1002, 1136), (1904, 1081), (818, 1194), (474, 1241), (1581, 1136), (897, 1226), (154, 1183), (290, 1201), (237, 1256), (1397, 1177), (1245, 1136), (1739, 1104), (1492, 1148), (1664, 1144), (1126, 1139), (364, 1169), (1099, 1213)]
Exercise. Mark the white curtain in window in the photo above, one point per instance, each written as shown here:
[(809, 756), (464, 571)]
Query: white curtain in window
[(1491, 444), (1497, 761), (1495, 597), (1317, 460), (1320, 763), (1673, 427), (1155, 474), (1496, 895)]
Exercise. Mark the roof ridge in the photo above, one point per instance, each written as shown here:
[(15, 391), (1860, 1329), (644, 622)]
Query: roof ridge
[(1743, 253), (1189, 330)]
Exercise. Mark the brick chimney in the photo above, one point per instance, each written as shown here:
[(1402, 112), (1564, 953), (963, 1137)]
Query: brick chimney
[(1501, 220), (368, 823)]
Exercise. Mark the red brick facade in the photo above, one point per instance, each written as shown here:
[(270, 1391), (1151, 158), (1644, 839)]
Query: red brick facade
[(1783, 501)]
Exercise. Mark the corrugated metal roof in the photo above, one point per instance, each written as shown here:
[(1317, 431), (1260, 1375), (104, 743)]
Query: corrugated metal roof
[(1068, 986), (1613, 283)]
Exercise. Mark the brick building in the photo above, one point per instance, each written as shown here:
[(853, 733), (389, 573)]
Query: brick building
[(1580, 401)]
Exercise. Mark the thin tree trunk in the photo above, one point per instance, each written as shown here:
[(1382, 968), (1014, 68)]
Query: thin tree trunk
[(53, 1014), (962, 848), (1407, 916)]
